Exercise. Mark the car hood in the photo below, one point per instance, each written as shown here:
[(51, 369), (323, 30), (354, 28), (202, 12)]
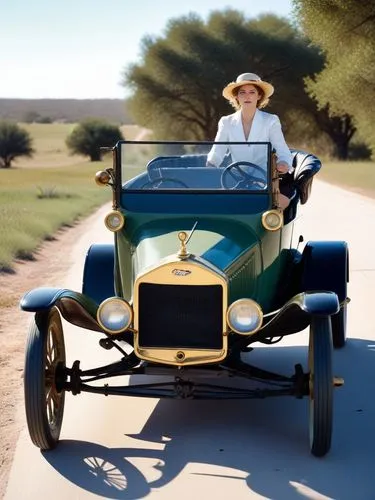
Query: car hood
[(219, 248)]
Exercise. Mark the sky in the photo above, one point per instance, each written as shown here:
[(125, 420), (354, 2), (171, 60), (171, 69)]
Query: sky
[(80, 48)]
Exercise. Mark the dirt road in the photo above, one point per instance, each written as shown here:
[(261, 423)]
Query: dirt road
[(135, 448)]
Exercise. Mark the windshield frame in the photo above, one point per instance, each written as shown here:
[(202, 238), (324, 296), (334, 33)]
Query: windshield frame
[(192, 191)]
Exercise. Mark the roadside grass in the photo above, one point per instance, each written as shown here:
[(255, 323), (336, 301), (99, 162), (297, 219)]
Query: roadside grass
[(358, 176), (36, 202), (51, 190)]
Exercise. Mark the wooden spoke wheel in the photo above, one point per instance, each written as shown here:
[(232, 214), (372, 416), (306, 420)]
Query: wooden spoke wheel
[(44, 379)]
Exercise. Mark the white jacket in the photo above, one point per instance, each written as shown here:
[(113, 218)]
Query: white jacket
[(265, 128)]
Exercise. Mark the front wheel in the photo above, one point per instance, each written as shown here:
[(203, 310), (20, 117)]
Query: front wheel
[(339, 321), (320, 385), (44, 378)]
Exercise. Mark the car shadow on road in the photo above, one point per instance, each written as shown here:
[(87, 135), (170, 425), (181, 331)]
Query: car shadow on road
[(261, 443)]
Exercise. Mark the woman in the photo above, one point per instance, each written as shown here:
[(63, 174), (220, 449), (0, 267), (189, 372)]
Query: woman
[(248, 94)]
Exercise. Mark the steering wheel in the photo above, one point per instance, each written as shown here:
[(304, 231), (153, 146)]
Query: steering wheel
[(162, 183), (242, 179)]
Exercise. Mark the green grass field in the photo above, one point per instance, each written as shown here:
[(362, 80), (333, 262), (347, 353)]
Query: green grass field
[(53, 189), (35, 202), (49, 144)]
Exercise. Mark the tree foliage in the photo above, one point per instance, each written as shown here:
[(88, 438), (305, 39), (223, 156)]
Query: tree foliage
[(14, 142), (177, 88), (90, 135), (344, 30)]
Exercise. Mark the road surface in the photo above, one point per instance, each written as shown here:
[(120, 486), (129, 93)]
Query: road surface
[(132, 448)]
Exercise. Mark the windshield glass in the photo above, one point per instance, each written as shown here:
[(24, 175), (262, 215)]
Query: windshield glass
[(208, 166)]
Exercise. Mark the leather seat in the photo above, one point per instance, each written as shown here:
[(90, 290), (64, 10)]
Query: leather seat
[(306, 166)]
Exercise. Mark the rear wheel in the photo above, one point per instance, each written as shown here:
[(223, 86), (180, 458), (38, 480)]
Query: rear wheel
[(44, 378), (320, 385), (339, 327)]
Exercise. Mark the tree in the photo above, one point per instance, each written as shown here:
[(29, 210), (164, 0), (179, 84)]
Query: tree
[(30, 117), (14, 142), (340, 129), (177, 87), (344, 30), (90, 135)]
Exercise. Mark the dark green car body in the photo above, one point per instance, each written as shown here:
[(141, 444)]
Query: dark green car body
[(203, 265)]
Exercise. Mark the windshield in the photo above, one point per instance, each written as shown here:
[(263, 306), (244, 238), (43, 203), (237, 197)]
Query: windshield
[(195, 166)]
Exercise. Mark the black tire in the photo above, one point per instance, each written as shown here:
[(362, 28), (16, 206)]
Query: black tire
[(320, 385), (44, 378), (339, 328)]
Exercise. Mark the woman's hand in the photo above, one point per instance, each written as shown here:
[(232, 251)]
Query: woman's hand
[(282, 167)]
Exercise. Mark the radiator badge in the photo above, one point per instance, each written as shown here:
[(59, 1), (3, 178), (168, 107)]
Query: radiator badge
[(181, 272)]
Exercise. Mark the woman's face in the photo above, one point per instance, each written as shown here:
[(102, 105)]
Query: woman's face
[(248, 95)]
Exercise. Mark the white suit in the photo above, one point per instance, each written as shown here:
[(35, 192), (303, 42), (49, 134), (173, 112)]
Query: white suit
[(265, 128)]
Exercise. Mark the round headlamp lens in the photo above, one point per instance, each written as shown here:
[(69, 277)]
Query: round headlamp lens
[(114, 221), (272, 220), (114, 315), (245, 316)]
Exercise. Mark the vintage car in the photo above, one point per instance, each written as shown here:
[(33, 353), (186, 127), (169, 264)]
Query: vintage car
[(203, 268)]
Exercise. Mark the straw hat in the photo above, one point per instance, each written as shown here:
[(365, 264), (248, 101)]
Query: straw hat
[(248, 79)]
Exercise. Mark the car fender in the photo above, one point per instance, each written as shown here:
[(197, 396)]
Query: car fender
[(296, 314), (293, 317), (325, 266), (76, 308), (98, 273)]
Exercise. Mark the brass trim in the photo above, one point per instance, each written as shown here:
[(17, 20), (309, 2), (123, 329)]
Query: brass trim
[(102, 178), (180, 355), (267, 226), (257, 306), (196, 271), (200, 272), (275, 182), (122, 301), (183, 253), (191, 356), (119, 215)]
